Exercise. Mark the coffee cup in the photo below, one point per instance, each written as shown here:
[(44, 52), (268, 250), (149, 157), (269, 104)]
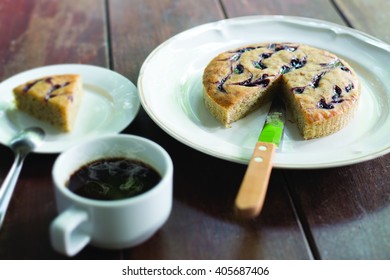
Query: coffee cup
[(111, 224)]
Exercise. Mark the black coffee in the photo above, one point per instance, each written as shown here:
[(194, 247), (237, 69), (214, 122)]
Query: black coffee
[(113, 178)]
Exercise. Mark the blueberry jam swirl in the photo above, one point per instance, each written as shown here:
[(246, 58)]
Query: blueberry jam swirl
[(295, 63), (281, 47), (336, 98), (260, 64), (221, 83), (262, 81), (349, 87), (245, 82), (50, 93), (336, 64), (250, 79), (323, 105), (30, 85), (239, 69), (237, 53), (316, 79), (249, 82), (298, 90), (298, 63)]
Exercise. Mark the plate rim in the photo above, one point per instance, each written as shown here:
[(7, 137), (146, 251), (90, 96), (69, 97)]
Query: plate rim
[(62, 145), (303, 21)]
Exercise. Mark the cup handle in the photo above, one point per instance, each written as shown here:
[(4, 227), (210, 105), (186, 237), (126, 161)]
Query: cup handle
[(65, 233)]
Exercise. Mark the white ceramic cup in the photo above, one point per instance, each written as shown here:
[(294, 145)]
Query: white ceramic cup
[(114, 224)]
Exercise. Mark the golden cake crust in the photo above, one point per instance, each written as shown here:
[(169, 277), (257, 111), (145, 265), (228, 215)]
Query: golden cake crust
[(320, 89), (52, 99)]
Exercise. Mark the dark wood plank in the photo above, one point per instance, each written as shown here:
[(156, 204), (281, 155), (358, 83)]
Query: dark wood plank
[(370, 16), (353, 202), (347, 208), (137, 27), (344, 209), (37, 33), (47, 32), (318, 9), (202, 224)]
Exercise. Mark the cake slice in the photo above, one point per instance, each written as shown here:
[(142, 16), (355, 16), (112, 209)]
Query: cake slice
[(53, 99)]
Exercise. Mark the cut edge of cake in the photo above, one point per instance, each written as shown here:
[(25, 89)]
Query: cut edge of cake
[(248, 104), (315, 128)]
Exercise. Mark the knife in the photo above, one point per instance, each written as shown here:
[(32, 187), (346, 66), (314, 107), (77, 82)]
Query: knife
[(251, 195)]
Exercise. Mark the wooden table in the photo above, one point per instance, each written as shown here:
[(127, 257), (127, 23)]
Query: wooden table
[(336, 213)]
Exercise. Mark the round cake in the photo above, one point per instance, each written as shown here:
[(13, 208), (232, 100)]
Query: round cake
[(320, 89)]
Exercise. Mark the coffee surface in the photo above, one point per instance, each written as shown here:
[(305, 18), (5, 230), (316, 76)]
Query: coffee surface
[(113, 178)]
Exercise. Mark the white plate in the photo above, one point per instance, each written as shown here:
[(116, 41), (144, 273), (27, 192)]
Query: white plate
[(110, 104), (170, 90)]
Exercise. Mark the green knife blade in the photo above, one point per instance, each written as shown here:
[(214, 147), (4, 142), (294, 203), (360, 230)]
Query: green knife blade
[(272, 131)]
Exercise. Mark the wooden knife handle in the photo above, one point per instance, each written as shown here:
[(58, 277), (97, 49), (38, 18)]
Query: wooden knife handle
[(250, 198)]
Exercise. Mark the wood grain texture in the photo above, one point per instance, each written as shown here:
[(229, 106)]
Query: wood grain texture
[(253, 189), (317, 9), (37, 33), (347, 208), (370, 16), (203, 224), (343, 209), (138, 27)]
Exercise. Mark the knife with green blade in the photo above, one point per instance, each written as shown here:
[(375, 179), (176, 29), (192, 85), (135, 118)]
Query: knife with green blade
[(253, 189)]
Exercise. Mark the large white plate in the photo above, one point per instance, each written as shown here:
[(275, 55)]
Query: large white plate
[(109, 105), (170, 90)]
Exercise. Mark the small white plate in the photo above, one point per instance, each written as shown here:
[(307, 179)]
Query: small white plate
[(170, 87), (109, 105)]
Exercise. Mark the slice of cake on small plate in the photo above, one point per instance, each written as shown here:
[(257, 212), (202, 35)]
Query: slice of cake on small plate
[(53, 99)]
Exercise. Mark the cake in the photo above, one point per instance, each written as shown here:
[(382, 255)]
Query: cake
[(320, 89), (52, 99)]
